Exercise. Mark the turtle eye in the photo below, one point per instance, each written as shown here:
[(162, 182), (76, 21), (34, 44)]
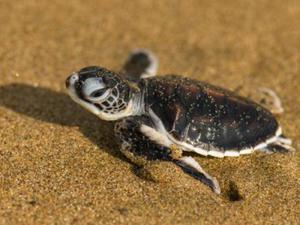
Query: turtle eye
[(98, 93), (93, 87)]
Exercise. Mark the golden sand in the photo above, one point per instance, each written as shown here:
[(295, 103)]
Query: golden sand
[(61, 165)]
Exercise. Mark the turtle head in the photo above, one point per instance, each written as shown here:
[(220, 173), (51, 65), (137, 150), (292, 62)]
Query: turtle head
[(102, 92)]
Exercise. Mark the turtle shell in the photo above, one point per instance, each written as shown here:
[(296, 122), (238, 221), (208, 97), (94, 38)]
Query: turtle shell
[(207, 116)]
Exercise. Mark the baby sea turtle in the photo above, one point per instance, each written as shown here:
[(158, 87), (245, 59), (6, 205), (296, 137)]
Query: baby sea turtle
[(160, 117)]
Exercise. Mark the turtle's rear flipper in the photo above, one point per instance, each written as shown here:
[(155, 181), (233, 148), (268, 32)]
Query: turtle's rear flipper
[(281, 145), (269, 99), (140, 63), (190, 166), (265, 97)]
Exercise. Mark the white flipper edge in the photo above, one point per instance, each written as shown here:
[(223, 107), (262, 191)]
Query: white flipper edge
[(191, 166)]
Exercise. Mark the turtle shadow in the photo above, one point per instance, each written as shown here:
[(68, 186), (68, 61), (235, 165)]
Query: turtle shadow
[(55, 107)]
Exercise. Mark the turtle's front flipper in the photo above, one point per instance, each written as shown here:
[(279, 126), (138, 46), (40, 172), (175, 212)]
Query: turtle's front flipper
[(138, 148), (140, 63), (192, 167)]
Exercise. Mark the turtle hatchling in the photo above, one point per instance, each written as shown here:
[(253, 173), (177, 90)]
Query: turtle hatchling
[(163, 117)]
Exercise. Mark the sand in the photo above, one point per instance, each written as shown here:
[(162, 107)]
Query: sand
[(61, 165)]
